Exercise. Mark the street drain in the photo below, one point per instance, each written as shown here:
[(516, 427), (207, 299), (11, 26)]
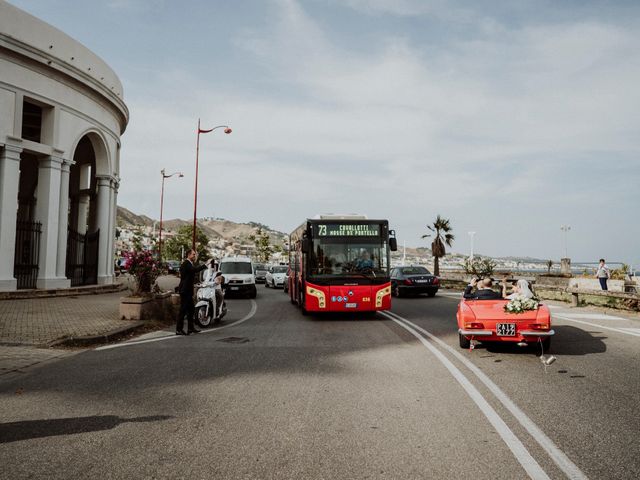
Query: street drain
[(234, 340)]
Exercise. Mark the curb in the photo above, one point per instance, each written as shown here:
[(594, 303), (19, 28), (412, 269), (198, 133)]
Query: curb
[(90, 340), (63, 292)]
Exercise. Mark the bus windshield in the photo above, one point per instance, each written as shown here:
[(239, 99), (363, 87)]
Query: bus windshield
[(348, 257)]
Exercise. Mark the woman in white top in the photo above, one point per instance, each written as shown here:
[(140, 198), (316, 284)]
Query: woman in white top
[(520, 290)]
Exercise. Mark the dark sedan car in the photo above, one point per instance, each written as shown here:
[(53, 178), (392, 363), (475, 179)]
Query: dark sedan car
[(413, 281), (260, 272), (173, 267)]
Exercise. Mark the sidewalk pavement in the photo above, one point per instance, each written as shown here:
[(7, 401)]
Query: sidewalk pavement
[(30, 328)]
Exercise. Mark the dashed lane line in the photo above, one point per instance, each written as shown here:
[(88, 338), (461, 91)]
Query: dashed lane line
[(563, 462), (254, 309)]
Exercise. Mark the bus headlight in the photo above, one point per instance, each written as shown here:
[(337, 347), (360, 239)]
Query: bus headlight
[(381, 294)]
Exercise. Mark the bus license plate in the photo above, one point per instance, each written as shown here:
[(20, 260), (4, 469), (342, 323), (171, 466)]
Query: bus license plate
[(351, 305), (506, 329)]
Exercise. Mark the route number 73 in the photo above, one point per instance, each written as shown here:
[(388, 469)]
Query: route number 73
[(322, 229)]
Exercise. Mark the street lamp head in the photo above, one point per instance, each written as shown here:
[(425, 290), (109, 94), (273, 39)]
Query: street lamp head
[(180, 174), (227, 130)]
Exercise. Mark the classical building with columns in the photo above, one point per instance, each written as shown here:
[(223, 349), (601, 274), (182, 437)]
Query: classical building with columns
[(61, 117)]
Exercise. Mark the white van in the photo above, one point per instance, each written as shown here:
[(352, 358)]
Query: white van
[(239, 277)]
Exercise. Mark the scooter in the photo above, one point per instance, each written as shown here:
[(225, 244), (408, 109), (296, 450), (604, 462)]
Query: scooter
[(207, 312)]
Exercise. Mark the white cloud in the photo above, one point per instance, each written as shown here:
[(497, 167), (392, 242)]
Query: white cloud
[(506, 114)]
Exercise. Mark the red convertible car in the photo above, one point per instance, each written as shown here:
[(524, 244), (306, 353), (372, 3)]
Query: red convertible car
[(487, 321)]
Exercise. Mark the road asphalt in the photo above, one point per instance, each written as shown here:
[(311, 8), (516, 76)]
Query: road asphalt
[(273, 394)]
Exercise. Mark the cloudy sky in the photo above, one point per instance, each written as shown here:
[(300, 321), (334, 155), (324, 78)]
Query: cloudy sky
[(508, 118)]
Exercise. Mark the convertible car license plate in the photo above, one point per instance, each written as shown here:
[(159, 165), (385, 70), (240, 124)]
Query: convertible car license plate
[(235, 288), (506, 329)]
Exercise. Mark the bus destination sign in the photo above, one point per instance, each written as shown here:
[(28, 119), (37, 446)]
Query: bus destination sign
[(347, 230)]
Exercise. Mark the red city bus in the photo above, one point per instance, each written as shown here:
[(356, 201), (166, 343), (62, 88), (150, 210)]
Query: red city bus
[(340, 263)]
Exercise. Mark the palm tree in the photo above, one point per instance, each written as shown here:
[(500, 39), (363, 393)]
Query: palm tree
[(441, 236)]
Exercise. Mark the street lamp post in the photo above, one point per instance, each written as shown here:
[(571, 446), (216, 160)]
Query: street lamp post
[(565, 229), (164, 176), (471, 234), (227, 130)]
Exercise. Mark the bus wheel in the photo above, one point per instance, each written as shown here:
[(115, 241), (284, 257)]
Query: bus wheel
[(301, 302)]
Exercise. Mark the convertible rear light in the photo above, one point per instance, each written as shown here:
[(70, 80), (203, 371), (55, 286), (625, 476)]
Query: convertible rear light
[(436, 280), (408, 281), (473, 325), (539, 326)]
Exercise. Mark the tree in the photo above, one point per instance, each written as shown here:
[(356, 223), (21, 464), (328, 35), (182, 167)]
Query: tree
[(261, 240), (174, 246), (441, 236), (549, 265)]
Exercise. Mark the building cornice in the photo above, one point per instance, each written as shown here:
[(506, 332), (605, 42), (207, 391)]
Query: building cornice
[(49, 64)]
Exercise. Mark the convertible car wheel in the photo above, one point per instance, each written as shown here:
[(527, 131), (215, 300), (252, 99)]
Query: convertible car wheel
[(464, 341)]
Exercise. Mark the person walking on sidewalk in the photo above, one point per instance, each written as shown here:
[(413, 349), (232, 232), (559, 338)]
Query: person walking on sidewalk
[(187, 277), (603, 274)]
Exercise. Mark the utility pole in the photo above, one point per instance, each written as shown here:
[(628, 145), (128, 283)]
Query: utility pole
[(565, 229), (471, 234)]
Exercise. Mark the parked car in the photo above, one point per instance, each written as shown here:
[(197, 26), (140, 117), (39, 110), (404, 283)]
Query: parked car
[(260, 271), (238, 274), (413, 280), (173, 267), (487, 321), (276, 276)]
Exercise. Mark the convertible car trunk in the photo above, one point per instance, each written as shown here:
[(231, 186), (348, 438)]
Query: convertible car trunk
[(494, 310)]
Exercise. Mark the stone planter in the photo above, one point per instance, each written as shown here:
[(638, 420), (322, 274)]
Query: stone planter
[(136, 308)]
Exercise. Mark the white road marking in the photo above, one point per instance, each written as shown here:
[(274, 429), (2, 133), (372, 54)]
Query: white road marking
[(558, 456), (450, 294), (619, 330), (632, 330), (521, 453), (254, 308)]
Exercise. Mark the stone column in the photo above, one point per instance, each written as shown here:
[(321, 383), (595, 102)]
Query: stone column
[(48, 213), (103, 214), (9, 183), (112, 229), (83, 211), (63, 221), (565, 266)]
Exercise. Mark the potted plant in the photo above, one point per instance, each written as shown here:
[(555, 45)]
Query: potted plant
[(144, 268)]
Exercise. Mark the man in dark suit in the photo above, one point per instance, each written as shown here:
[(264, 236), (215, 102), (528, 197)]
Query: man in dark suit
[(483, 291), (187, 277)]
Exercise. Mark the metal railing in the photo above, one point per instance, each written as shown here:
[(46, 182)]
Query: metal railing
[(82, 258), (27, 254)]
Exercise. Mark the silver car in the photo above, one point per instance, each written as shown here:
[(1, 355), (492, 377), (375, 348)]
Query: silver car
[(276, 276)]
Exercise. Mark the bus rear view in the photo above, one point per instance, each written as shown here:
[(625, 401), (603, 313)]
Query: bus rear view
[(341, 264)]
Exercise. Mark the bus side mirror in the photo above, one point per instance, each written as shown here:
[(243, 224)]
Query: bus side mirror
[(393, 244), (305, 245)]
